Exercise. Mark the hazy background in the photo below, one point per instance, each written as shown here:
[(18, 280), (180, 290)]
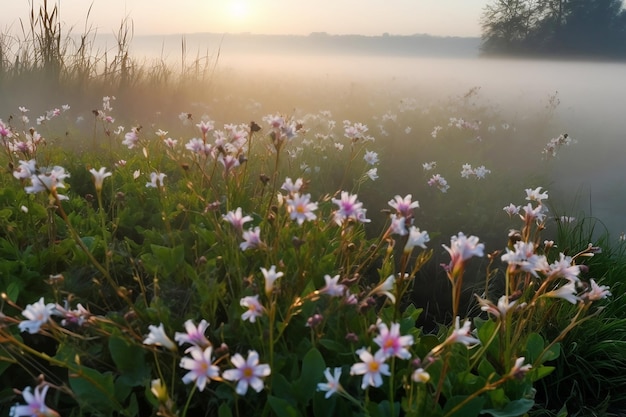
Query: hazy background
[(291, 17), (358, 56)]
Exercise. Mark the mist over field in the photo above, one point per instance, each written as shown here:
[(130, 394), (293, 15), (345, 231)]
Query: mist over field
[(402, 87), (588, 99)]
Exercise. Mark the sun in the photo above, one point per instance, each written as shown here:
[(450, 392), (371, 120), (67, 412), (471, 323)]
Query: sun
[(238, 10)]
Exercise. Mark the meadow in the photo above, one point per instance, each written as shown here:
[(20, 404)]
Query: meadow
[(199, 241)]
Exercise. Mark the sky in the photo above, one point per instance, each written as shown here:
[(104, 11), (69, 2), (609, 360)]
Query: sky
[(293, 17)]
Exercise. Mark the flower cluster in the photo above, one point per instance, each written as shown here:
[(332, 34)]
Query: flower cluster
[(200, 363), (479, 172), (554, 144)]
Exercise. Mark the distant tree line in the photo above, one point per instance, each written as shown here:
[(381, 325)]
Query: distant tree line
[(574, 28)]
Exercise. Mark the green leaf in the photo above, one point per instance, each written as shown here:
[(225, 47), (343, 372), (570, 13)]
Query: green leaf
[(471, 408), (384, 408), (5, 214), (552, 353), (89, 241), (498, 398), (282, 408), (130, 361), (313, 366), (486, 369), (170, 258), (534, 347), (322, 406), (514, 408), (332, 345), (13, 291), (281, 385), (540, 372), (94, 390), (224, 411), (485, 330)]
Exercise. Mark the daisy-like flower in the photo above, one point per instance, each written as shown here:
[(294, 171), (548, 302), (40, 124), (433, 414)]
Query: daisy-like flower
[(511, 209), (466, 171), (99, 176), (77, 317), (270, 277), (169, 142), (200, 367), (429, 166), (398, 225), (332, 384), (198, 146), (131, 138), (332, 287), (157, 337), (420, 376), (404, 206), (349, 208), (237, 219), (567, 292), (532, 214), (371, 157), (292, 187), (480, 172), (35, 404), (391, 342), (519, 370), (536, 194), (386, 288), (252, 239), (37, 314), (194, 335), (416, 238), (5, 131), (247, 372), (596, 292), (436, 131), (372, 174), (354, 131), (523, 257), (440, 182), (461, 249), (462, 334), (300, 208), (205, 126), (499, 310), (276, 122), (253, 307), (564, 268), (26, 169), (567, 219), (229, 162), (159, 390), (48, 181), (156, 180), (372, 368)]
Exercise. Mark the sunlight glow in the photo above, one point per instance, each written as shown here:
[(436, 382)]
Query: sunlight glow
[(238, 10)]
